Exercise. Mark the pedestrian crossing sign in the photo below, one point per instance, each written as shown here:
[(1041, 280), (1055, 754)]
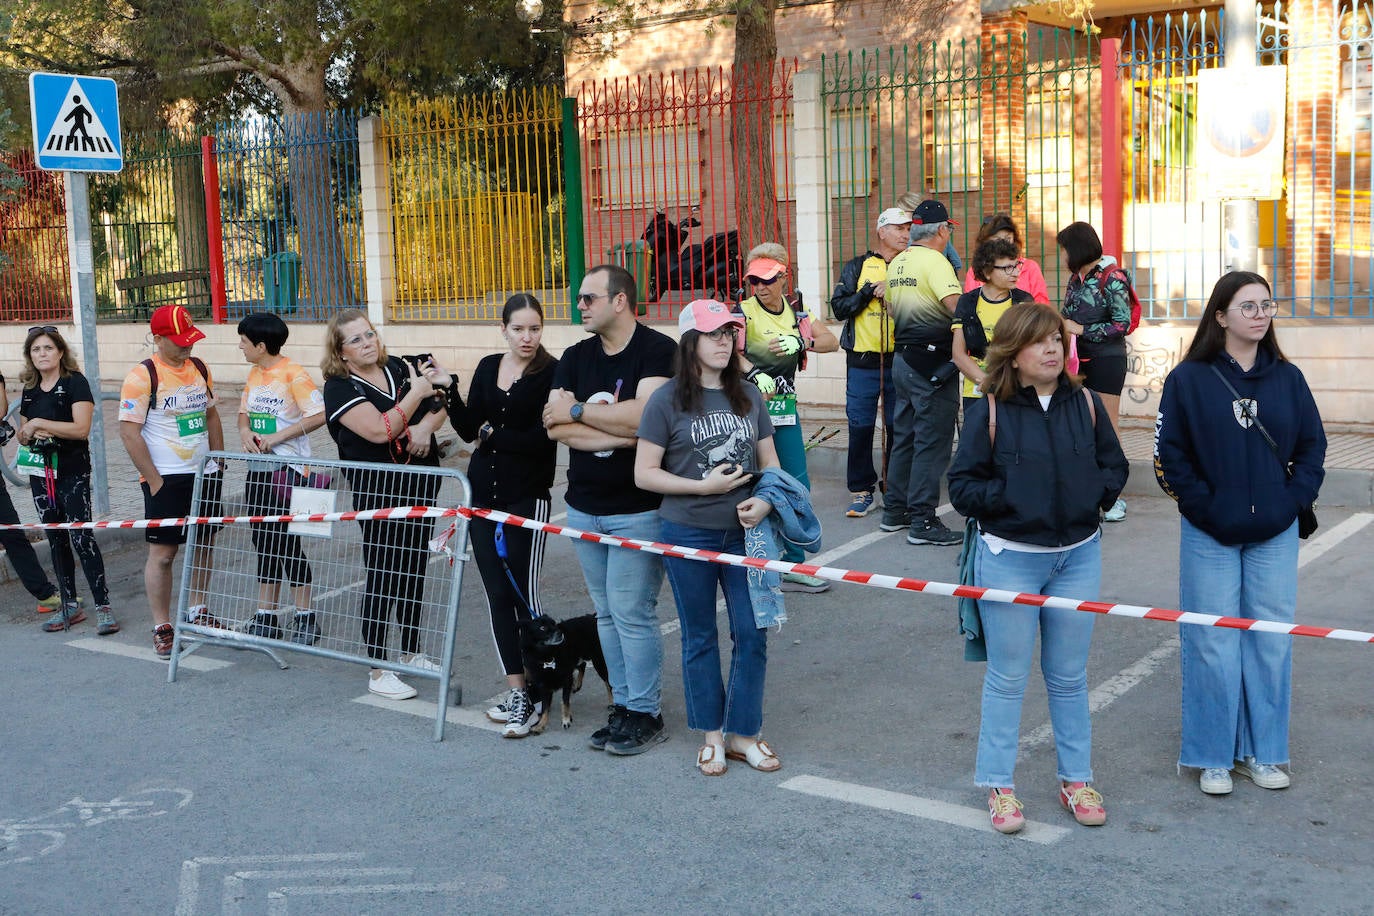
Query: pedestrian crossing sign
[(75, 123)]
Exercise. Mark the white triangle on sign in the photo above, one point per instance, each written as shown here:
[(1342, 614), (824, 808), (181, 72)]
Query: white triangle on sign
[(77, 131)]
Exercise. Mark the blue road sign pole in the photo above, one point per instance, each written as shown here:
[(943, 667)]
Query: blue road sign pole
[(83, 313)]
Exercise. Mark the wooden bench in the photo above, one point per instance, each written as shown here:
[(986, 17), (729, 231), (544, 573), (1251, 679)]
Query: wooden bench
[(138, 287)]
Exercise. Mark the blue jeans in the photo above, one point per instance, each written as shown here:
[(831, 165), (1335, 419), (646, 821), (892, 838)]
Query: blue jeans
[(1236, 685), (792, 458), (923, 434), (1065, 637), (861, 390), (737, 706), (623, 585)]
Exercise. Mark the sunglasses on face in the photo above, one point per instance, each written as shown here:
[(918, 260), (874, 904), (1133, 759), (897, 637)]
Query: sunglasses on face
[(759, 281), (587, 299)]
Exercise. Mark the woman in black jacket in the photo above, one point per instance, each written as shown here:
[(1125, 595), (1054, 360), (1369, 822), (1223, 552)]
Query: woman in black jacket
[(511, 470), (1036, 479)]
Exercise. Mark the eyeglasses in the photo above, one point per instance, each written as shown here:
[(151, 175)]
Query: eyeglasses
[(724, 333), (43, 329), (359, 338), (759, 281), (1267, 307), (589, 298), (1010, 268)]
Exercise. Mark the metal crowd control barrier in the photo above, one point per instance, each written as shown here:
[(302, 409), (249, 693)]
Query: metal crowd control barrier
[(379, 590)]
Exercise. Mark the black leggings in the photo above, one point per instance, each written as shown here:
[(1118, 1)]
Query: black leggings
[(280, 557), (21, 552), (511, 602), (395, 554), (73, 504)]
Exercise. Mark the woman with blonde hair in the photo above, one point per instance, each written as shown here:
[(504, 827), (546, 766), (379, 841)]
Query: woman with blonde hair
[(1037, 464), (381, 409)]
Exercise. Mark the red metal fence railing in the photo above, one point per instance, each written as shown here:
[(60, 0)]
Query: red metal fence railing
[(683, 172)]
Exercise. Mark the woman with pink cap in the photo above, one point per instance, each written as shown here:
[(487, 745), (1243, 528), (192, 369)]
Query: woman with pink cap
[(703, 437), (778, 332)]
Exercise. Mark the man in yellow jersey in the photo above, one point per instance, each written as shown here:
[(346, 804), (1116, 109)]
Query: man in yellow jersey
[(868, 344), (168, 422), (922, 290)]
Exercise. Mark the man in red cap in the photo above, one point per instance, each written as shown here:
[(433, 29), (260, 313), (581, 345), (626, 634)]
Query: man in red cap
[(168, 423)]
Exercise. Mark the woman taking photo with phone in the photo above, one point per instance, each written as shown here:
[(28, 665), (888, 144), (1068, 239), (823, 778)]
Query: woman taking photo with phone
[(1239, 446), (56, 409), (703, 438), (381, 409), (511, 470)]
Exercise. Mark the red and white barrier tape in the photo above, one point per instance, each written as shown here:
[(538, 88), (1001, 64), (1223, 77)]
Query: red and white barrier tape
[(901, 583), (876, 580)]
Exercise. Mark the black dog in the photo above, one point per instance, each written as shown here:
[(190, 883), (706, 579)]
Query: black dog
[(556, 655)]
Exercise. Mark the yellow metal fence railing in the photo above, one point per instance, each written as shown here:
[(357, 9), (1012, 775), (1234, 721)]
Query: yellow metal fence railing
[(477, 204)]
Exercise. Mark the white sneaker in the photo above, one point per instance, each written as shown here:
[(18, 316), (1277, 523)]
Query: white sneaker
[(1215, 781), (390, 687), (501, 711), (423, 662), (1264, 775), (1117, 513), (522, 718)]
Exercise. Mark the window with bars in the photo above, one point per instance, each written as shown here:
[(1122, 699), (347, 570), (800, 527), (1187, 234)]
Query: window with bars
[(851, 143), (1049, 138), (648, 167), (953, 145)]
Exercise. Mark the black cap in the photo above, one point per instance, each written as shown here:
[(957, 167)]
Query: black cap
[(931, 211)]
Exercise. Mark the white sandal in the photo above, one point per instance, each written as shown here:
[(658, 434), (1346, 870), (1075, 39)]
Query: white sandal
[(756, 753), (711, 755)]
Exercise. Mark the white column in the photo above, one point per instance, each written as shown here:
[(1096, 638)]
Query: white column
[(808, 165), (378, 248)]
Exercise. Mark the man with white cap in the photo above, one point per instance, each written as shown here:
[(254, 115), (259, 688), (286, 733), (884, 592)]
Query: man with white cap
[(168, 423), (868, 341)]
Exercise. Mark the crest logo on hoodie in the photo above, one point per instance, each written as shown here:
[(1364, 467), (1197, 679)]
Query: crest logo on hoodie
[(1245, 410)]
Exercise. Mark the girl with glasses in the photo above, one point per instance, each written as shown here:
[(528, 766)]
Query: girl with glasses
[(1238, 499), (1031, 278), (997, 263)]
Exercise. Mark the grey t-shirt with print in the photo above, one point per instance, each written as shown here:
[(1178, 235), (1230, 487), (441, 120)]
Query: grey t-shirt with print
[(695, 443)]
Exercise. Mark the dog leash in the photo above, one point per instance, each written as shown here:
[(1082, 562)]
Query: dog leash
[(510, 575)]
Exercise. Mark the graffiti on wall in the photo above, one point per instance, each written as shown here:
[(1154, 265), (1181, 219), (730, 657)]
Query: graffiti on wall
[(1147, 364)]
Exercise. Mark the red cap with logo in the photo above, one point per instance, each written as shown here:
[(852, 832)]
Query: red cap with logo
[(174, 323)]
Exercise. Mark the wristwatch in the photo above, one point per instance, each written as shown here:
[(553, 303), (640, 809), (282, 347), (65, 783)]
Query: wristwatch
[(575, 411)]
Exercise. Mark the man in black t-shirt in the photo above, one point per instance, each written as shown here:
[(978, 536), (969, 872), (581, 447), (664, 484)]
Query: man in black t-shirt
[(599, 391)]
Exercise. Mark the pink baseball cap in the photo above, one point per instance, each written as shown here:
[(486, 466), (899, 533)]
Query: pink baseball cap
[(705, 315)]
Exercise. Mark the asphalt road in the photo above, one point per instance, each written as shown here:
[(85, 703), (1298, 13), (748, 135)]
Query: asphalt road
[(249, 789)]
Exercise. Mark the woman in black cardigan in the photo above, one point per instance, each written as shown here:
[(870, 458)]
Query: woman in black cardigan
[(511, 470)]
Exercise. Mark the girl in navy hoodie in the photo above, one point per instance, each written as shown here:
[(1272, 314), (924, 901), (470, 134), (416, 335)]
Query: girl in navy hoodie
[(1238, 548)]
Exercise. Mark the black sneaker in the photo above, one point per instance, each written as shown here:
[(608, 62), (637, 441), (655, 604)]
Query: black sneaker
[(264, 625), (520, 717), (306, 632), (612, 729), (894, 522), (933, 531), (642, 731)]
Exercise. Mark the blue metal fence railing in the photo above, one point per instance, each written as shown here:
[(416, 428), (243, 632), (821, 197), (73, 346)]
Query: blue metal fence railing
[(292, 184)]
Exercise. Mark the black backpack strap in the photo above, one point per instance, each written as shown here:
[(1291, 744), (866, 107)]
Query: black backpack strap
[(204, 373), (152, 383)]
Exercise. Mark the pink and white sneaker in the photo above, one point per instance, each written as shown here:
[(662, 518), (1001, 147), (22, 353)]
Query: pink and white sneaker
[(1084, 802), (1005, 809)]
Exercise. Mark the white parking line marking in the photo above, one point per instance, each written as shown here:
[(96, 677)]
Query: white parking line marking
[(915, 806), (193, 662), (426, 709), (1324, 542)]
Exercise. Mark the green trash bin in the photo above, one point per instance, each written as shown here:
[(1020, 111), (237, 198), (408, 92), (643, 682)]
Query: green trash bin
[(638, 258), (281, 282)]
